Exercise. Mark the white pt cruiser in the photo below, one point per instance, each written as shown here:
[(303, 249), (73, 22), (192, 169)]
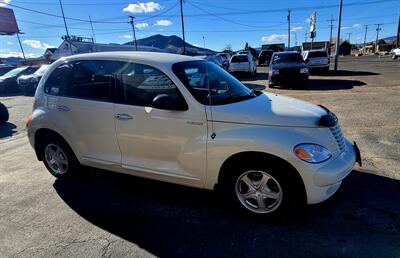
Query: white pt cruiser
[(184, 120)]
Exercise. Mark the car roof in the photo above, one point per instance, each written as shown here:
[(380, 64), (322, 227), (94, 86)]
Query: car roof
[(135, 56)]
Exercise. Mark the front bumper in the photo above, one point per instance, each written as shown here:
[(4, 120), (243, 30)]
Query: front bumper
[(327, 178), (277, 78)]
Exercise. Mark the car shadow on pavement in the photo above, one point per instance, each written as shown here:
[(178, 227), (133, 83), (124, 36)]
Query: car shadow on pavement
[(332, 84), (350, 73), (362, 219), (7, 130)]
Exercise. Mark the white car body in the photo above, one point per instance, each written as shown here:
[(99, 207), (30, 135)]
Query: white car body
[(179, 146), (246, 66), (316, 62), (395, 53)]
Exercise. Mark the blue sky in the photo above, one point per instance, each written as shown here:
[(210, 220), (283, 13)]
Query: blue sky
[(220, 22)]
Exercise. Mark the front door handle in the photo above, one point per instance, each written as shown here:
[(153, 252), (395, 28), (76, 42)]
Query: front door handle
[(123, 117), (63, 108)]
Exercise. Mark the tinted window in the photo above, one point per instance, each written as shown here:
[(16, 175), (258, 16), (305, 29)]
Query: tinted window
[(57, 79), (140, 84), (287, 58), (317, 54), (30, 70), (92, 80), (208, 82), (239, 59)]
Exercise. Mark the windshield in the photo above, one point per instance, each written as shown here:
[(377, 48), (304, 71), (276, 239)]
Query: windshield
[(14, 72), (208, 82), (317, 54), (239, 59), (42, 70), (287, 58)]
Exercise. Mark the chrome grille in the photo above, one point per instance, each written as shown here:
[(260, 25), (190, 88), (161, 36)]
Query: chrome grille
[(338, 135)]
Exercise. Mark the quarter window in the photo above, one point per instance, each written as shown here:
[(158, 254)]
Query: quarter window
[(57, 79), (140, 84)]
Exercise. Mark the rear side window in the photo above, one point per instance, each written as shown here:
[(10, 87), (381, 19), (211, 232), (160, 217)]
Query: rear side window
[(239, 59), (140, 84), (317, 54), (93, 80), (55, 82)]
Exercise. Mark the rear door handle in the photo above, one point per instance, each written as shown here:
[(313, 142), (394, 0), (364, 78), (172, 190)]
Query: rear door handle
[(63, 108), (123, 117)]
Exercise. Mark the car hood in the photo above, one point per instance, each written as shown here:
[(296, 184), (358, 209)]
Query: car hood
[(289, 65), (270, 110)]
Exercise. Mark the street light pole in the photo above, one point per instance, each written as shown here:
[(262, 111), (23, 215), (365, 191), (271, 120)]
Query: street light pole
[(183, 29), (20, 45), (338, 36), (378, 28)]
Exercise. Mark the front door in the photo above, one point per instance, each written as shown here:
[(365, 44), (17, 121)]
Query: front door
[(164, 144)]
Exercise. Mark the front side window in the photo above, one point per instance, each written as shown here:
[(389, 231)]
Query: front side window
[(140, 84), (93, 80), (55, 82), (209, 84)]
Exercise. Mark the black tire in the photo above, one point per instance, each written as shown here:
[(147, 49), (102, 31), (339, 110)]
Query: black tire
[(271, 84), (394, 56), (72, 163), (4, 115), (290, 200)]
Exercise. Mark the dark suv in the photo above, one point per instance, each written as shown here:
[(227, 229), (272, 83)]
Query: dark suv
[(288, 68)]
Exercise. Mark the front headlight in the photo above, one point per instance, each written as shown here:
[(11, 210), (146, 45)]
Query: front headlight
[(312, 153), (275, 71), (304, 70)]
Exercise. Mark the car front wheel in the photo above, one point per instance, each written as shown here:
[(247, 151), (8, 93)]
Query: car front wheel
[(262, 192), (394, 56)]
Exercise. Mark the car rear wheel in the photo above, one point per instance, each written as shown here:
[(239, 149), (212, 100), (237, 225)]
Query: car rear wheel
[(394, 56), (4, 115), (58, 157)]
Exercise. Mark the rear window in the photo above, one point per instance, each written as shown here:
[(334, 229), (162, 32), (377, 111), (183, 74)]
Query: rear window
[(317, 54), (239, 59)]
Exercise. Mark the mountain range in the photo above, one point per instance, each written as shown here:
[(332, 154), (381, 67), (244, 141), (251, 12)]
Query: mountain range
[(173, 44)]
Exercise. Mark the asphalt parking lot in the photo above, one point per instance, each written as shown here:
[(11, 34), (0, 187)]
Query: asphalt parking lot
[(107, 214)]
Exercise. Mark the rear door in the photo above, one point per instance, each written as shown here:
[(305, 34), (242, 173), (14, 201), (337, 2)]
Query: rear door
[(87, 110)]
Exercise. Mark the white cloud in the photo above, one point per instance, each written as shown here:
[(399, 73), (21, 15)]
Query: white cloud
[(163, 23), (307, 20), (298, 28), (142, 25), (17, 54), (148, 7), (354, 26), (274, 37), (4, 2), (9, 43), (357, 25), (346, 28), (125, 36), (36, 44)]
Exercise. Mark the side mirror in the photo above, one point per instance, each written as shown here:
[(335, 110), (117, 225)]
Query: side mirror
[(166, 102)]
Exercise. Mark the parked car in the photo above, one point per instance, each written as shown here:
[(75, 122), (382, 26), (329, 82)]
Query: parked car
[(266, 153), (317, 60), (28, 83), (8, 82), (265, 57), (287, 68), (242, 63), (3, 114), (5, 68), (225, 59), (395, 53), (213, 59)]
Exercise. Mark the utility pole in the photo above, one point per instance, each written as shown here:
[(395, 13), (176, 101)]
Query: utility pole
[(365, 36), (398, 34), (378, 29), (66, 28), (338, 36), (288, 18), (330, 34), (133, 30), (20, 45), (349, 33), (295, 39), (204, 42), (183, 29), (305, 37), (91, 25)]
